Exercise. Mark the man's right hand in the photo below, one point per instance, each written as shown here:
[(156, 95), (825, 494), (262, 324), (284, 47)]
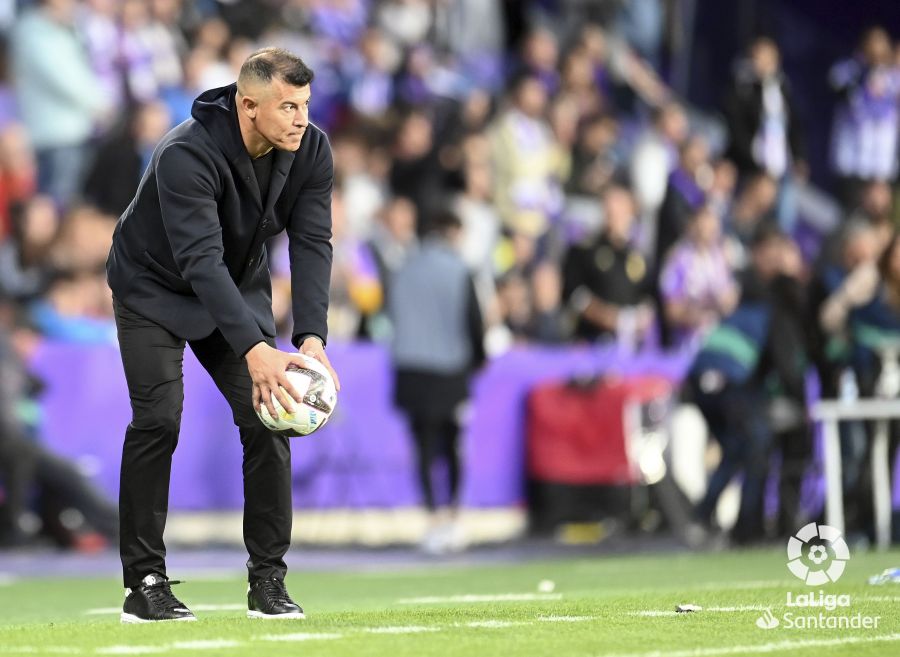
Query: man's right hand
[(267, 367)]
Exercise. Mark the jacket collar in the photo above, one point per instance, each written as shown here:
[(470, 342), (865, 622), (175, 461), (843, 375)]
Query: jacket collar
[(216, 111)]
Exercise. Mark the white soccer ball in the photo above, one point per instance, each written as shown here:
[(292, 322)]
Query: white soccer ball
[(313, 381)]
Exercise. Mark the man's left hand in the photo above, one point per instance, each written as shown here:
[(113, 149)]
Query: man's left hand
[(313, 348)]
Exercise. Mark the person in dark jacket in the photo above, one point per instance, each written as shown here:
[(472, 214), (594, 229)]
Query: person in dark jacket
[(607, 283), (756, 343), (764, 130), (121, 158), (188, 264), (684, 196)]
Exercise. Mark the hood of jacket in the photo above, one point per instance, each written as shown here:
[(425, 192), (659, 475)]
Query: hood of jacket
[(216, 111)]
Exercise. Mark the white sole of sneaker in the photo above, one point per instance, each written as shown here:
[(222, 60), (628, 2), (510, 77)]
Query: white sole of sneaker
[(259, 614), (131, 618)]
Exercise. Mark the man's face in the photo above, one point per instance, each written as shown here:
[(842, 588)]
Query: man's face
[(282, 114), (765, 58)]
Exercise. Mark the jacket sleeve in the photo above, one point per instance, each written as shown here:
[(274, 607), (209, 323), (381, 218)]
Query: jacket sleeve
[(187, 199), (474, 324), (309, 246), (796, 137), (736, 107)]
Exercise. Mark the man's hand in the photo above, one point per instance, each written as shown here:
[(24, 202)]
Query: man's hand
[(860, 286), (313, 348), (267, 367)]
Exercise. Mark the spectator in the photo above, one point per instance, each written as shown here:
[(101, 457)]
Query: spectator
[(653, 159), (438, 343), (540, 59), (18, 173), (866, 121), (122, 158), (28, 471), (763, 125), (686, 191), (606, 281), (364, 192), (480, 228), (578, 85), (753, 209), (727, 379), (416, 171), (875, 206), (721, 192), (867, 306), (595, 161), (369, 71), (406, 21), (25, 258), (839, 286), (548, 323), (696, 283), (528, 161), (393, 240), (514, 308), (59, 95)]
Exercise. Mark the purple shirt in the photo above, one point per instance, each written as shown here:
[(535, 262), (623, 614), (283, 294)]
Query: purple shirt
[(697, 277)]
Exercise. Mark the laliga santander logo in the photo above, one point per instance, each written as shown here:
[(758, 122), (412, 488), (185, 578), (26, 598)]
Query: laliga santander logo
[(817, 554)]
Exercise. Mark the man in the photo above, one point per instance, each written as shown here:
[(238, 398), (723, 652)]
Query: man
[(756, 350), (606, 281), (654, 158), (763, 124), (188, 264), (866, 127), (437, 345)]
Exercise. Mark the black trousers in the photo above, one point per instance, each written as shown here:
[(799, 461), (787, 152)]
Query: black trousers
[(436, 439), (153, 358)]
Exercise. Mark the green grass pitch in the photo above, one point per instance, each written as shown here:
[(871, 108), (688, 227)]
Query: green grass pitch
[(598, 607)]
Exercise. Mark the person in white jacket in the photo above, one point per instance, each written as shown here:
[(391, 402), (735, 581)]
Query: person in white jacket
[(653, 159)]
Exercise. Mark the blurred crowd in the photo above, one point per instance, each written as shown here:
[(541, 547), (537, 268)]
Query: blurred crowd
[(594, 203)]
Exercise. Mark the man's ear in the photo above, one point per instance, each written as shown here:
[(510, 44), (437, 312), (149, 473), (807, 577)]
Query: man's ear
[(249, 106)]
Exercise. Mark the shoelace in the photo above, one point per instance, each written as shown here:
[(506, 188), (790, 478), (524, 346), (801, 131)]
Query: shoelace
[(161, 596), (275, 592)]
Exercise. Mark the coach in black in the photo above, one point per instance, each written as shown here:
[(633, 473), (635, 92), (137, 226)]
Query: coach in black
[(188, 265)]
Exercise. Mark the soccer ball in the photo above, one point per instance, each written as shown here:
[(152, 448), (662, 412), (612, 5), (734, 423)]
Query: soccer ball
[(313, 381)]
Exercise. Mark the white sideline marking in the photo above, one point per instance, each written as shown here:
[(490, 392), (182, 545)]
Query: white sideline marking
[(205, 644), (115, 610), (103, 610), (494, 623), (30, 650), (724, 610), (130, 650), (762, 648), (653, 613), (410, 629), (564, 619), (297, 636), (501, 597), (750, 584)]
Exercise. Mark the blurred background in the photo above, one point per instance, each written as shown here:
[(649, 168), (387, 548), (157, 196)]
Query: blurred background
[(678, 216)]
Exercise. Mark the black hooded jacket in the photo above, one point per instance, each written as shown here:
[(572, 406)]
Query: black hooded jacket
[(189, 251)]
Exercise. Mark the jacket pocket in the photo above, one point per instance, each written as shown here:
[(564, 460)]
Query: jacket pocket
[(172, 280)]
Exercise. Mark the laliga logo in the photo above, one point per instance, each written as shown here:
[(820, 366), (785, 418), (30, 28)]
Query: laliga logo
[(811, 549)]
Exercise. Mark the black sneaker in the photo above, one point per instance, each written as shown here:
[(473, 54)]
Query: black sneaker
[(153, 601), (268, 598)]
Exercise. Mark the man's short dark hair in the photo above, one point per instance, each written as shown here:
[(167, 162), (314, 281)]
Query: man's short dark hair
[(268, 63), (445, 221)]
